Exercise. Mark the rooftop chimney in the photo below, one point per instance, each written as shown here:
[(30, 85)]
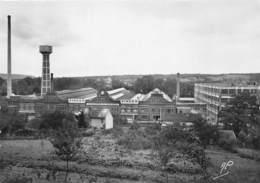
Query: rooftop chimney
[(45, 50), (9, 66), (178, 92)]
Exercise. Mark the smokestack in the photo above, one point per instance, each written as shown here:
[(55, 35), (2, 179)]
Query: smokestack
[(52, 84), (9, 66), (45, 50), (178, 91)]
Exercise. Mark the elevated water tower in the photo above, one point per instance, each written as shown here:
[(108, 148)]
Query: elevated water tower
[(45, 50)]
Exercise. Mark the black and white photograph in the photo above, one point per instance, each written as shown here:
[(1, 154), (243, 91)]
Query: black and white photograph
[(129, 91)]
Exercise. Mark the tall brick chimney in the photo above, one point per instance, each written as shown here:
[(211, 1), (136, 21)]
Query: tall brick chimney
[(9, 64), (178, 90)]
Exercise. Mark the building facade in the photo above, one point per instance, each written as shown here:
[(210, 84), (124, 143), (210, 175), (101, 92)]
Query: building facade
[(37, 105), (217, 95), (103, 101)]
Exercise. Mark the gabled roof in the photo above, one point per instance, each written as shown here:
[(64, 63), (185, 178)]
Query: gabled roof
[(155, 99), (157, 91), (103, 97), (154, 92), (120, 94)]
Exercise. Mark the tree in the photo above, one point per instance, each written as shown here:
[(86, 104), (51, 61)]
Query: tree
[(66, 140), (82, 120), (10, 123), (144, 84), (242, 115), (117, 84), (206, 132), (186, 142), (51, 121)]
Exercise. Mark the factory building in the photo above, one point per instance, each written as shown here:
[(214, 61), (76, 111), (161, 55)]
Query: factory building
[(216, 95), (155, 106), (103, 101), (77, 98), (187, 105)]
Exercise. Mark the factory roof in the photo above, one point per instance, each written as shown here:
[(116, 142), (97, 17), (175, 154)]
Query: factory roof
[(103, 98), (146, 97), (120, 94), (138, 97), (157, 91), (111, 92), (83, 93)]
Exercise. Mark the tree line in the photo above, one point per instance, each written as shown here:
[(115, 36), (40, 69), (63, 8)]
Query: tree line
[(143, 84)]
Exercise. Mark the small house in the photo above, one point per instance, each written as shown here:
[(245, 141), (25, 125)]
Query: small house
[(102, 119)]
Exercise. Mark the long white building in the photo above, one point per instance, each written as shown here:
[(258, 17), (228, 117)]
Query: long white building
[(216, 95)]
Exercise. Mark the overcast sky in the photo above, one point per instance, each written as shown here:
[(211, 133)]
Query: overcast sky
[(112, 37)]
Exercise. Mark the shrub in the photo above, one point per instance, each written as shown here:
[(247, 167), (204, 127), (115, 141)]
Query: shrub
[(135, 139), (134, 126), (227, 140), (186, 142), (119, 120), (11, 123), (66, 140), (88, 132), (52, 121), (153, 129), (206, 132)]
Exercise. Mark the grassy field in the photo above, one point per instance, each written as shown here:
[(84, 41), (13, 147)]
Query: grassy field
[(28, 149), (242, 171)]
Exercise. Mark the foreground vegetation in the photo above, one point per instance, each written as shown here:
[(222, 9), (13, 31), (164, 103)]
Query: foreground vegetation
[(127, 153)]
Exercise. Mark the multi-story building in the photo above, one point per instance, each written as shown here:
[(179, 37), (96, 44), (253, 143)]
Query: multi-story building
[(217, 95)]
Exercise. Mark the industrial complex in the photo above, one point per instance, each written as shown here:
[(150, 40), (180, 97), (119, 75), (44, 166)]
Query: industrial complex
[(143, 107)]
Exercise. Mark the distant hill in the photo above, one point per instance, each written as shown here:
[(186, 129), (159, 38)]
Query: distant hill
[(194, 78), (15, 76)]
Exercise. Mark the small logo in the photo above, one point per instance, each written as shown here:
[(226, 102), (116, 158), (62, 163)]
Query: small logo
[(224, 169)]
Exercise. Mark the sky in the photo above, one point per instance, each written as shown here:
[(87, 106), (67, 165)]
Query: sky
[(114, 37)]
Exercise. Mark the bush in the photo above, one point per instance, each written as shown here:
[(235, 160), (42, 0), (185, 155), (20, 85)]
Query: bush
[(227, 140), (11, 123), (207, 133), (186, 142), (153, 129), (119, 120), (52, 121), (134, 126), (135, 139), (88, 132)]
